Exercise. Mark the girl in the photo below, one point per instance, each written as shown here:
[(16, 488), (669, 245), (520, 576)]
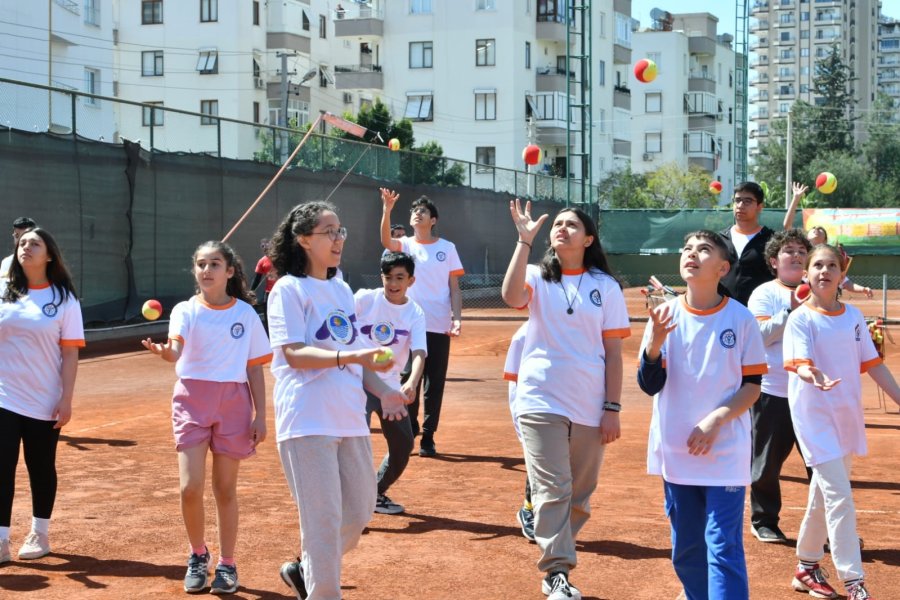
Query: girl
[(828, 419), (40, 334), (320, 369), (570, 378), (218, 345)]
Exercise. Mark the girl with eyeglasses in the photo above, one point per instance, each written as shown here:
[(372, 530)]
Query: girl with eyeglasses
[(321, 373)]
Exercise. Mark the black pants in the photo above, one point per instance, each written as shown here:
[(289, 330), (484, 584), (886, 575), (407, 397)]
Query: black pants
[(773, 440), (432, 385), (399, 438), (39, 439)]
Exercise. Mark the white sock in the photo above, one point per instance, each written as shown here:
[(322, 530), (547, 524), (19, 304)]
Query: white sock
[(40, 525), (4, 533)]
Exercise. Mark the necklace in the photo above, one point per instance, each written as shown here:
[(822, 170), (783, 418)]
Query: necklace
[(570, 310)]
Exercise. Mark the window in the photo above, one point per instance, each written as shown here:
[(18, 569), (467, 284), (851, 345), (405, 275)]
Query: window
[(804, 52), (92, 12), (730, 116), (623, 30), (208, 63), (601, 25), (151, 12), (783, 107), (485, 157), (657, 58), (527, 55), (420, 55), (305, 20), (804, 15), (653, 102), (256, 112), (418, 107), (484, 53), (485, 4), (420, 7), (152, 63), (211, 108), (209, 11), (804, 88), (601, 121), (256, 12), (653, 142), (485, 105), (729, 150), (323, 27), (152, 116), (297, 112), (91, 85), (601, 76)]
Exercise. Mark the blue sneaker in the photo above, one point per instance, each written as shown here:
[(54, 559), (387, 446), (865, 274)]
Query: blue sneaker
[(225, 581), (197, 573)]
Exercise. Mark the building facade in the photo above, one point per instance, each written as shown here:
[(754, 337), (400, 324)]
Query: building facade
[(889, 57)]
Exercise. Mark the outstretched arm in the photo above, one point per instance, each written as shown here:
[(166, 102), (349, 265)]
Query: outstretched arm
[(882, 376), (799, 191), (388, 200), (513, 289)]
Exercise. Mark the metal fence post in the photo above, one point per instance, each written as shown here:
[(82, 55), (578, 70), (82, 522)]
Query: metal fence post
[(884, 293), (74, 110), (219, 138)]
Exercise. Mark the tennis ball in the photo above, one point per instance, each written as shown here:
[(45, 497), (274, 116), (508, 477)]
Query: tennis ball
[(532, 154), (826, 182), (645, 70), (802, 292), (152, 310), (715, 187), (394, 144), (384, 356)]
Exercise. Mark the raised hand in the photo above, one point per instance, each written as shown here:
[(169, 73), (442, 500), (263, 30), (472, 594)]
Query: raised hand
[(799, 190), (388, 198), (525, 225), (158, 349)]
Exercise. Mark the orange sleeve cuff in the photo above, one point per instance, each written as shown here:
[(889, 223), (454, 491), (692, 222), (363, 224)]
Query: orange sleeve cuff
[(791, 365), (617, 333), (457, 272), (763, 318), (72, 343), (514, 377), (760, 369), (865, 366), (530, 291), (177, 338), (260, 360)]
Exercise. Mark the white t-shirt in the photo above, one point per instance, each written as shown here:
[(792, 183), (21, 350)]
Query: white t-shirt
[(740, 240), (220, 342), (562, 371), (328, 401), (5, 265), (435, 263), (829, 425), (32, 331), (511, 370), (770, 303), (400, 327), (705, 356)]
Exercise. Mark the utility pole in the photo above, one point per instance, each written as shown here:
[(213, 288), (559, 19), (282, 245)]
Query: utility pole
[(788, 163), (285, 89)]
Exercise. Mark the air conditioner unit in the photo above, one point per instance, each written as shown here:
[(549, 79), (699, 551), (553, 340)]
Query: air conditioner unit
[(648, 157), (348, 98), (259, 83)]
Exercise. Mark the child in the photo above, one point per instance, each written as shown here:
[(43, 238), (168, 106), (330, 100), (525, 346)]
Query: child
[(700, 442), (773, 433), (525, 515), (320, 368), (218, 345), (570, 378), (826, 343), (818, 235), (387, 318)]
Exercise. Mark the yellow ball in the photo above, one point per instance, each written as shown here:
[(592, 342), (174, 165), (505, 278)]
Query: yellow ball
[(384, 356), (152, 310), (826, 182), (394, 144)]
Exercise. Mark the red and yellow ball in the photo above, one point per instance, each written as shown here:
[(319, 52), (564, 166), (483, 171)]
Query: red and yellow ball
[(645, 70), (532, 154), (826, 182), (152, 310)]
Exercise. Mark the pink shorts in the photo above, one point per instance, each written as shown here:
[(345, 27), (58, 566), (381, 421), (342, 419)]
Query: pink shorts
[(219, 413)]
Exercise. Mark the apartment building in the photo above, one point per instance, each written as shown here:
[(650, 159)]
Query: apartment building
[(686, 115), (789, 36), (888, 68)]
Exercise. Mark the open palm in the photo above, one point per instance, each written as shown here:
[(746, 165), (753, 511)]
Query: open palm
[(525, 225)]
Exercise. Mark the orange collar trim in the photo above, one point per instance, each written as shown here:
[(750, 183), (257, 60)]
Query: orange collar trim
[(226, 306), (707, 311)]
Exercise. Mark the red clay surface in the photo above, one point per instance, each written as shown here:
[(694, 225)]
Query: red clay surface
[(117, 530)]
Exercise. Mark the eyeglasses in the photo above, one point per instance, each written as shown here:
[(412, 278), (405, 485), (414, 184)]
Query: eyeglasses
[(419, 210), (335, 234), (745, 201)]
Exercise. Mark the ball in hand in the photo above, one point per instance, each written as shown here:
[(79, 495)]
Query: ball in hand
[(802, 292), (826, 182), (645, 70), (384, 356), (394, 144), (152, 310)]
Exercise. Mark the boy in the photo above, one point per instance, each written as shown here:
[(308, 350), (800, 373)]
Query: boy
[(700, 441), (387, 318), (773, 432)]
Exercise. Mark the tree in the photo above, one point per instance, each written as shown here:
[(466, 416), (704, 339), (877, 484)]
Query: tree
[(833, 118), (427, 165), (624, 189), (882, 150), (670, 186)]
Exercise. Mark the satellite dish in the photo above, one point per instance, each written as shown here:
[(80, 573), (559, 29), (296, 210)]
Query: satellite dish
[(662, 20)]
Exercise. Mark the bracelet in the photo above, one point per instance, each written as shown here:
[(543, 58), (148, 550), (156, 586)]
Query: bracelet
[(338, 358), (612, 406), (524, 242)]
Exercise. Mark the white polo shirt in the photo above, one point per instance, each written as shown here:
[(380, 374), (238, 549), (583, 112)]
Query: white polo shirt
[(436, 262)]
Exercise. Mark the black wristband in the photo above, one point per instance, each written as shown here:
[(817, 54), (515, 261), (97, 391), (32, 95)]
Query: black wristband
[(612, 406), (524, 242)]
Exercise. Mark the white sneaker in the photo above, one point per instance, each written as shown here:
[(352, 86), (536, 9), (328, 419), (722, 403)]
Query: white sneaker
[(556, 586), (36, 545), (4, 551)]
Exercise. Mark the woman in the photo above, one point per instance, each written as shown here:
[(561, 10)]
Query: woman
[(577, 320), (40, 334)]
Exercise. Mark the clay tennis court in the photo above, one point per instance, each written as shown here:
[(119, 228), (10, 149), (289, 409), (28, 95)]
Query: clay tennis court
[(117, 530)]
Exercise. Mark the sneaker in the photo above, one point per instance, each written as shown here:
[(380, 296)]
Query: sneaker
[(386, 506), (768, 534), (426, 447), (525, 518), (556, 586), (859, 592), (4, 551), (197, 573), (292, 575), (812, 581), (225, 581), (36, 545)]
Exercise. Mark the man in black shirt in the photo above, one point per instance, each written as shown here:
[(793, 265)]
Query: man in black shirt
[(748, 240)]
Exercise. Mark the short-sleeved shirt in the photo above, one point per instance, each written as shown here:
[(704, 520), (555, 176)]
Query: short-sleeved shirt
[(706, 356), (511, 366), (33, 329), (220, 342), (400, 327), (264, 267), (772, 301), (750, 270), (5, 265), (327, 401), (562, 371), (829, 425), (436, 262)]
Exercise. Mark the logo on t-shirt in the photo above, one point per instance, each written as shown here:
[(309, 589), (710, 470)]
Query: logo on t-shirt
[(728, 339), (237, 330), (596, 298), (383, 333), (856, 331), (339, 327), (441, 256), (50, 310)]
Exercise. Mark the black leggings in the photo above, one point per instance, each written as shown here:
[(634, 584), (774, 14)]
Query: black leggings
[(39, 439)]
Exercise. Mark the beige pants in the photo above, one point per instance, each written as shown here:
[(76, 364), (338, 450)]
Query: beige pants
[(333, 483), (563, 461)]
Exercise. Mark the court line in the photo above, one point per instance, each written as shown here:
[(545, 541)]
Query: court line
[(110, 424), (858, 510)]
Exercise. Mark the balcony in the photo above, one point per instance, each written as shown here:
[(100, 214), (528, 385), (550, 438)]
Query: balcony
[(759, 25), (759, 7), (551, 79), (830, 19), (358, 21), (551, 28), (784, 94), (889, 76), (353, 77), (761, 80), (784, 59), (548, 109), (701, 81), (759, 43), (761, 61), (823, 3), (702, 45), (788, 75), (621, 54), (785, 4), (622, 97), (785, 41), (827, 39), (786, 22)]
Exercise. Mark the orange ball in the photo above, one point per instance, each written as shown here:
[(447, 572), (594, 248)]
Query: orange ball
[(715, 187), (152, 310), (532, 154)]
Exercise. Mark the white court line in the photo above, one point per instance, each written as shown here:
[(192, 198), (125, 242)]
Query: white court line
[(868, 512), (95, 427)]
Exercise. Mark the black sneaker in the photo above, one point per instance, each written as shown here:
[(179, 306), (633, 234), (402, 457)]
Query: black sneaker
[(386, 506), (556, 586), (197, 573), (225, 581), (767, 534), (292, 575), (525, 518), (426, 447)]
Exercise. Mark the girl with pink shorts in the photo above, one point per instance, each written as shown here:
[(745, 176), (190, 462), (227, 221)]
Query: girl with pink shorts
[(219, 347)]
